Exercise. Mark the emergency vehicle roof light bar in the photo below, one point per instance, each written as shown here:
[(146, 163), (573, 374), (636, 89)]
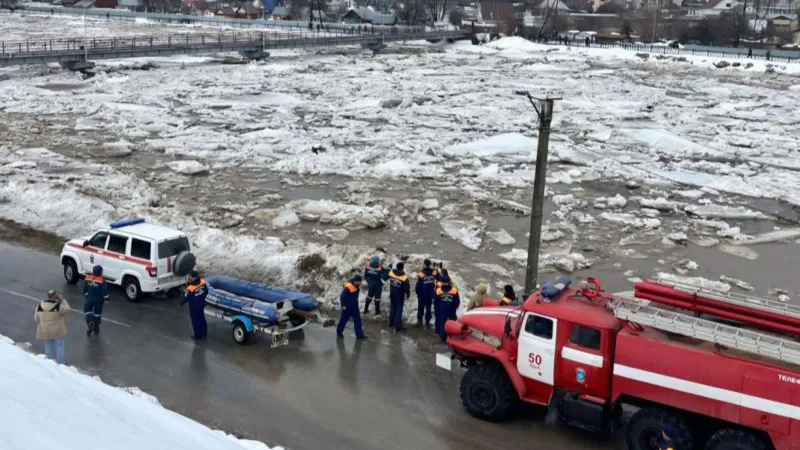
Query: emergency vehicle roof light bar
[(126, 223), (730, 336)]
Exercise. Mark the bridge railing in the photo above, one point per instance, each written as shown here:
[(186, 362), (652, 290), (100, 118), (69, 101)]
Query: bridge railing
[(186, 40)]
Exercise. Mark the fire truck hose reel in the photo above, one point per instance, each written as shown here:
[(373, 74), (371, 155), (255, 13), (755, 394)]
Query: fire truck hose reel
[(454, 328)]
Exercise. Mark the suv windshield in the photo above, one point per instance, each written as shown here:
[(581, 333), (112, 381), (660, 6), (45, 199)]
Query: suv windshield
[(172, 247)]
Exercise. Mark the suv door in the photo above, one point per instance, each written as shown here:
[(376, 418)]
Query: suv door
[(114, 258), (92, 253)]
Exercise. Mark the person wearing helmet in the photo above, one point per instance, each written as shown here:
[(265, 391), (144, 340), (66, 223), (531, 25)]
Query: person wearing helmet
[(667, 438), (375, 275), (95, 293), (196, 292), (349, 303)]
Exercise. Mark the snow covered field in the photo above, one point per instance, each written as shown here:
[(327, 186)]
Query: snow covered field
[(296, 169), (46, 405)]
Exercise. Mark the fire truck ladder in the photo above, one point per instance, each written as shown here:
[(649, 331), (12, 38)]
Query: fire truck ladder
[(729, 336), (745, 301)]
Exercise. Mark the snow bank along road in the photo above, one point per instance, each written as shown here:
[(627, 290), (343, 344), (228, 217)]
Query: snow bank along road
[(35, 389), (316, 393)]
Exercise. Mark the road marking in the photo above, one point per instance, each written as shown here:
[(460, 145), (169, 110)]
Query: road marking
[(28, 297)]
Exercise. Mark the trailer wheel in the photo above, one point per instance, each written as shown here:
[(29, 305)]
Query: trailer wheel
[(645, 427), (730, 439), (486, 392), (296, 320), (240, 333)]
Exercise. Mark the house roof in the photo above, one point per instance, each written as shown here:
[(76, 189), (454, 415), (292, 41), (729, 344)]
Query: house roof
[(227, 10), (778, 16), (84, 4), (551, 4), (131, 3), (281, 11), (247, 8), (377, 18)]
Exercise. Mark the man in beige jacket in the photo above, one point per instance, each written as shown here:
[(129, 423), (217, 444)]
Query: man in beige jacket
[(476, 301), (51, 324)]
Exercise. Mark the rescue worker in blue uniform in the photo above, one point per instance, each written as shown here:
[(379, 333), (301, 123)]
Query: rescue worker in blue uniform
[(399, 292), (349, 302), (437, 307), (449, 300), (426, 284), (196, 292), (95, 293), (666, 441), (375, 275)]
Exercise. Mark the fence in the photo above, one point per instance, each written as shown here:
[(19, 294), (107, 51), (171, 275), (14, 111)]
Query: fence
[(730, 53)]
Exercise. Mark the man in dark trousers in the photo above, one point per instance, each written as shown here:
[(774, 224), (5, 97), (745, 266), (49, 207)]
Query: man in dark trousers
[(196, 292), (349, 302), (448, 297), (95, 293), (426, 284), (399, 292), (375, 275)]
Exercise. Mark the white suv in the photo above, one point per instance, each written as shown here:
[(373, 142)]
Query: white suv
[(140, 257)]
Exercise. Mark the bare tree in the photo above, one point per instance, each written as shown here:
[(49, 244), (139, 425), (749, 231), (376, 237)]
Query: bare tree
[(409, 12), (456, 15), (436, 9)]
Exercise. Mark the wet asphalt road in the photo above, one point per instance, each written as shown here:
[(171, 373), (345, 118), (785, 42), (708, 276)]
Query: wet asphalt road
[(316, 393)]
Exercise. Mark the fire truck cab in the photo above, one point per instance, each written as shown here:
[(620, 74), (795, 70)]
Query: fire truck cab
[(592, 358)]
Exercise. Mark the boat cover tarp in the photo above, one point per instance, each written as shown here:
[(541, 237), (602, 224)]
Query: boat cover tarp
[(261, 292)]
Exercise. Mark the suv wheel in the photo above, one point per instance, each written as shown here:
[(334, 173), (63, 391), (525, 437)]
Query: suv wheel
[(70, 271), (132, 289)]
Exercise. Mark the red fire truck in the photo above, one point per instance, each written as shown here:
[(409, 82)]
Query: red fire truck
[(720, 370)]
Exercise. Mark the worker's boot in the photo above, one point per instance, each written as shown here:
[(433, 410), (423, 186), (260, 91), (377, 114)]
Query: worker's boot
[(97, 328), (377, 308), (90, 326), (366, 305)]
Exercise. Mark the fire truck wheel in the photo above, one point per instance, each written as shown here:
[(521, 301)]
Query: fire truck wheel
[(644, 430), (486, 392), (735, 440)]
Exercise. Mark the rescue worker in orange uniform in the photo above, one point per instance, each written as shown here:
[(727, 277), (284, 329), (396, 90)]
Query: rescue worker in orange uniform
[(509, 296), (95, 293), (399, 292), (426, 284), (449, 300), (349, 302), (196, 292)]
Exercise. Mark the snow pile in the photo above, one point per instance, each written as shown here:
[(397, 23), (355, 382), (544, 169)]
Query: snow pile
[(351, 216), (188, 167), (503, 144), (700, 282), (46, 405), (469, 235)]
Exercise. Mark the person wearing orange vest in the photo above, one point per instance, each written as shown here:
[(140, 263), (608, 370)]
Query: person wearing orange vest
[(95, 293), (449, 300), (399, 292), (349, 302), (196, 292), (509, 296)]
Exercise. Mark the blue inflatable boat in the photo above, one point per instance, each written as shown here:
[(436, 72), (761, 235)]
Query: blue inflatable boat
[(258, 307)]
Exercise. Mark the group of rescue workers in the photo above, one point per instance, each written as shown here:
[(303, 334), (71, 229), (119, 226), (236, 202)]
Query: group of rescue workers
[(95, 293), (437, 296)]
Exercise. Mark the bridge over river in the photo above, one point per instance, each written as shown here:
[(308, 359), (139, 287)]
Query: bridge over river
[(79, 53)]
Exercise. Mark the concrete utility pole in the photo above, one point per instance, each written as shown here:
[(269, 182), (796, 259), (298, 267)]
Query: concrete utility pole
[(544, 109), (655, 22)]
